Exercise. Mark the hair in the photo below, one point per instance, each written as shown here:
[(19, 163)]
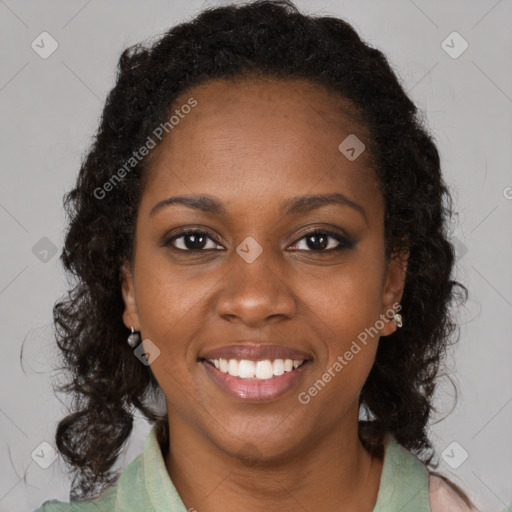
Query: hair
[(269, 39)]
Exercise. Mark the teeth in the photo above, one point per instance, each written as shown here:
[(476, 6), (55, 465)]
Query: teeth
[(246, 369), (278, 367), (233, 367), (261, 370), (223, 365), (264, 370)]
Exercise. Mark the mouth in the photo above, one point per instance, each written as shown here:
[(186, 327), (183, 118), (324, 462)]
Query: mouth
[(255, 370), (256, 373)]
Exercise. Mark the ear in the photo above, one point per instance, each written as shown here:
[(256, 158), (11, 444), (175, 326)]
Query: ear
[(130, 314), (393, 290)]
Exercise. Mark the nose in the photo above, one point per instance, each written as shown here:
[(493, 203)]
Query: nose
[(255, 293)]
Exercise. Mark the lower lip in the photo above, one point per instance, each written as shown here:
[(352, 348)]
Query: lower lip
[(256, 390)]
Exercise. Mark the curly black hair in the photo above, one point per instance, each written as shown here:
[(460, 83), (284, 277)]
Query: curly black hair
[(269, 39)]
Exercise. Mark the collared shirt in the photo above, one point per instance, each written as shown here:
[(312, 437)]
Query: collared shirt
[(145, 486)]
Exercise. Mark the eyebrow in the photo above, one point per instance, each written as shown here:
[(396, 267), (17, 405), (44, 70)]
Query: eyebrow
[(294, 205)]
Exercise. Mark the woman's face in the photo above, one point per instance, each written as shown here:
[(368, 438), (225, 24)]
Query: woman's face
[(256, 285)]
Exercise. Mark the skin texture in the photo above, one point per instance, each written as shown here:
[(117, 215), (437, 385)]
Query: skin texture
[(253, 144)]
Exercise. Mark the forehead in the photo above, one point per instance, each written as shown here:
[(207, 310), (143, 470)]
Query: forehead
[(260, 136)]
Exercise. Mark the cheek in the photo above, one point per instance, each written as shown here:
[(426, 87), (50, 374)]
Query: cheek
[(168, 314), (343, 314), (167, 305), (345, 307), (166, 294), (347, 299)]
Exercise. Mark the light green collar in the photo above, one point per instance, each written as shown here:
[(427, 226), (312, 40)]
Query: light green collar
[(403, 482), (145, 484)]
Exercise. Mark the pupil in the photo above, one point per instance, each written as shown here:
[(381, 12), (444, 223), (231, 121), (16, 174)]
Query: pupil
[(315, 245), (197, 241)]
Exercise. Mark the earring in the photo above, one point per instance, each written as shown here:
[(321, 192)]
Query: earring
[(398, 320), (133, 339)]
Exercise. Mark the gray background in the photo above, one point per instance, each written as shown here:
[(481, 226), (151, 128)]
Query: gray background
[(50, 110)]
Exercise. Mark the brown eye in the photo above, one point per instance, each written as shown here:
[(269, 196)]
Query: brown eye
[(323, 241), (192, 240)]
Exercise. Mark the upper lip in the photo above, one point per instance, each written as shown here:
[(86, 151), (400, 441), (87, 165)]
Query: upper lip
[(255, 352)]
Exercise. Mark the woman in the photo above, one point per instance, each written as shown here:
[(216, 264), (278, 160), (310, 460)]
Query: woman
[(258, 233)]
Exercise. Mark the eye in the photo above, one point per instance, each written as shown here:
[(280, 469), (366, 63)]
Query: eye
[(317, 240), (191, 240), (323, 240)]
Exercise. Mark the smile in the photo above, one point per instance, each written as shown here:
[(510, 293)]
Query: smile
[(256, 381), (257, 370)]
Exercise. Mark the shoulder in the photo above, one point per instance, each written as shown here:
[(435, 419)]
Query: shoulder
[(127, 490), (130, 490), (443, 495), (105, 502), (53, 506)]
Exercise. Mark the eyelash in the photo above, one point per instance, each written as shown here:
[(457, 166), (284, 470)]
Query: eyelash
[(344, 242)]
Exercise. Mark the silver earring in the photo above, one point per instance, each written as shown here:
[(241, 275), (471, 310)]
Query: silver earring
[(133, 339), (398, 320)]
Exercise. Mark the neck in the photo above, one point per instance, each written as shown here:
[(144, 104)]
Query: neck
[(324, 474)]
